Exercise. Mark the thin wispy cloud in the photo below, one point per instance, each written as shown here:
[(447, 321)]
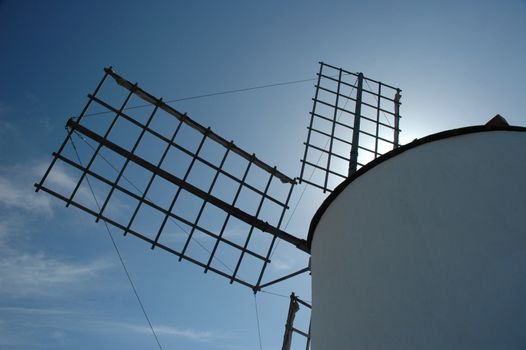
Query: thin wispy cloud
[(14, 227), (283, 263), (24, 274), (14, 195), (34, 328), (191, 334), (17, 191), (34, 311), (62, 322), (186, 333)]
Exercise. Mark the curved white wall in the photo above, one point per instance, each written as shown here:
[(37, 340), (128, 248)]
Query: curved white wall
[(427, 250)]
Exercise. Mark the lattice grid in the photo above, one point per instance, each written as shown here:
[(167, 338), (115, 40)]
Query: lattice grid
[(158, 175), (353, 120)]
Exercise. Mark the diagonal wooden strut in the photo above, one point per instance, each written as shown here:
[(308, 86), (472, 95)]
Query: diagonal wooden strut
[(237, 213)]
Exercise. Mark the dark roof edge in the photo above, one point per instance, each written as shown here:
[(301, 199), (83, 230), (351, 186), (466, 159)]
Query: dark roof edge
[(417, 142)]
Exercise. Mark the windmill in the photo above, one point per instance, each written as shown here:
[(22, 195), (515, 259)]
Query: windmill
[(416, 246), (187, 189)]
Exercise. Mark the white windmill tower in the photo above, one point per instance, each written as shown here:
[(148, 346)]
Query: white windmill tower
[(425, 247), (378, 280)]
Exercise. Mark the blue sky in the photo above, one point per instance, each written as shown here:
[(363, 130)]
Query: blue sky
[(61, 286)]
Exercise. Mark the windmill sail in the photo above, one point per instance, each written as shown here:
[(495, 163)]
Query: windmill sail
[(160, 176), (354, 120), (290, 328)]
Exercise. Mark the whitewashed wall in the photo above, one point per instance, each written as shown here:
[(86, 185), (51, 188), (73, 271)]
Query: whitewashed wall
[(427, 251)]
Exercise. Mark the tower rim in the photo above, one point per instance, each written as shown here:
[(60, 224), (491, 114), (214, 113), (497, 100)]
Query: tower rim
[(489, 127)]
